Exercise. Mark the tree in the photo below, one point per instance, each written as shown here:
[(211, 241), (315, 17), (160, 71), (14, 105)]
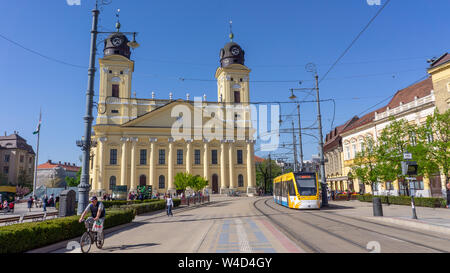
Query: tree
[(197, 183), (182, 181), (73, 181), (433, 149), (24, 179), (263, 177), (365, 165), (22, 191), (392, 144)]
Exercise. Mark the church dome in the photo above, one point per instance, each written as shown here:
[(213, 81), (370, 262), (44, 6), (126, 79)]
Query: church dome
[(117, 44), (231, 53)]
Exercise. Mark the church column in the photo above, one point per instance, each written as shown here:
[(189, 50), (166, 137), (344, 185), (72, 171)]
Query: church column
[(101, 162), (170, 176), (189, 156), (123, 163), (206, 162), (251, 190), (223, 173), (133, 183), (152, 164), (231, 163)]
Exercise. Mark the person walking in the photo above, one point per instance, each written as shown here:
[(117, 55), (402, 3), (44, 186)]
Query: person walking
[(169, 204), (44, 202), (30, 203)]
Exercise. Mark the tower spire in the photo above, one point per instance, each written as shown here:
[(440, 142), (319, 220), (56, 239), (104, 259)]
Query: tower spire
[(231, 31), (118, 20)]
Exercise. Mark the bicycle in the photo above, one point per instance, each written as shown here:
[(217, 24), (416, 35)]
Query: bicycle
[(90, 237)]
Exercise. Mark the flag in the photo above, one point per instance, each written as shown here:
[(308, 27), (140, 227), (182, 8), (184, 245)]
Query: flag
[(38, 129)]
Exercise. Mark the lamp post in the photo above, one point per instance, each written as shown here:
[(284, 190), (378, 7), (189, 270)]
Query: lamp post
[(86, 143)]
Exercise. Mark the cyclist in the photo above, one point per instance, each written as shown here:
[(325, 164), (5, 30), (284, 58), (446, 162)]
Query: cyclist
[(97, 210)]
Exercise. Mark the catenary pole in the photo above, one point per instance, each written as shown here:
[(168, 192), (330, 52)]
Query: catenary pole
[(300, 137), (322, 160)]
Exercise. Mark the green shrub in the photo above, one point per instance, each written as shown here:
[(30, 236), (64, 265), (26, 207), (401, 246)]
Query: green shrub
[(150, 206), (431, 202), (118, 203), (27, 236)]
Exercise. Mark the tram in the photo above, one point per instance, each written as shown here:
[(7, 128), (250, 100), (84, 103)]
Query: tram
[(298, 190)]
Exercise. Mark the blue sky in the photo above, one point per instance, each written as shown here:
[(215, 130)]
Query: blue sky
[(183, 38)]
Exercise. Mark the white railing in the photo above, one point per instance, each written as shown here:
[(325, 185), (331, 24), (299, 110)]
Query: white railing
[(404, 107)]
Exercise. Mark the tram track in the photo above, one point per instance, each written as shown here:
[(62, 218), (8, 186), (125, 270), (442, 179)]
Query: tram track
[(372, 228)]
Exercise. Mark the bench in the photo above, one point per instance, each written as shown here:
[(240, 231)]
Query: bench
[(10, 220)]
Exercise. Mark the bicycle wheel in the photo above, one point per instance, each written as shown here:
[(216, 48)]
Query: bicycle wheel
[(100, 240), (85, 242)]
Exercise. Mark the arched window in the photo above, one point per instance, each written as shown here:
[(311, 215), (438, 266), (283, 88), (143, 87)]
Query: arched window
[(240, 180), (142, 180), (162, 184), (112, 182)]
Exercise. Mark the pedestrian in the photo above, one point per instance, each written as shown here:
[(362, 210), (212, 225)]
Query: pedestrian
[(51, 201), (349, 194), (30, 203), (169, 204), (448, 195), (45, 200)]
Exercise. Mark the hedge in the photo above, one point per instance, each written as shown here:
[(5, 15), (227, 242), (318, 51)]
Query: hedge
[(118, 203), (150, 206), (27, 236), (431, 202)]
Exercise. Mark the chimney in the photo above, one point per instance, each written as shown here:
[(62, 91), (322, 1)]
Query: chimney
[(59, 162), (49, 161)]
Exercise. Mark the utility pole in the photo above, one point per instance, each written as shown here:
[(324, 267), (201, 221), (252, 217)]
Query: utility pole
[(84, 187), (295, 148), (300, 137), (322, 159), (270, 173)]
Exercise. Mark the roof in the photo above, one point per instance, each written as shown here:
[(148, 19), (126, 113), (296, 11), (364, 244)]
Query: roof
[(50, 165), (441, 60), (334, 136), (406, 95), (259, 159), (15, 141)]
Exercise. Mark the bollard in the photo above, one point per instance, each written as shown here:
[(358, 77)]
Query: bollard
[(377, 207)]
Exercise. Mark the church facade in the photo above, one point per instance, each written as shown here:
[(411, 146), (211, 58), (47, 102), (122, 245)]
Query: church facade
[(148, 141)]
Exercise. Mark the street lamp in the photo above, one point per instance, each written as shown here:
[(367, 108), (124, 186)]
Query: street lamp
[(86, 143)]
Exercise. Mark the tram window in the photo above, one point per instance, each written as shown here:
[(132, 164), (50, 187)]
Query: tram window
[(291, 188), (306, 186)]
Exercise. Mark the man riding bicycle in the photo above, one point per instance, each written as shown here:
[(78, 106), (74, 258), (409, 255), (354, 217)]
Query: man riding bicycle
[(97, 210)]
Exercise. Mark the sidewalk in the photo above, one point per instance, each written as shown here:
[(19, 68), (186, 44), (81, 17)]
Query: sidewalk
[(430, 219)]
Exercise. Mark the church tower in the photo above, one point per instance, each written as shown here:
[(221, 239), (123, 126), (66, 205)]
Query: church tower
[(116, 71), (232, 75)]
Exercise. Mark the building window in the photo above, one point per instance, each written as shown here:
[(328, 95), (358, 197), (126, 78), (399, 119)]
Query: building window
[(162, 184), (412, 138), (240, 181), (180, 157), (418, 185), (112, 182), (115, 90), (197, 157), (142, 180), (239, 157), (21, 158), (162, 157), (347, 152), (7, 157), (6, 170), (354, 150), (237, 96), (143, 157), (214, 157), (29, 160), (389, 186), (113, 157)]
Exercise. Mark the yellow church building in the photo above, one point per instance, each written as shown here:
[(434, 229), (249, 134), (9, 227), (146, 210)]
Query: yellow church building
[(149, 141)]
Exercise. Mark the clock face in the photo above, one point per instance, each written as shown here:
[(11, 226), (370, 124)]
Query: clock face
[(116, 41), (235, 51)]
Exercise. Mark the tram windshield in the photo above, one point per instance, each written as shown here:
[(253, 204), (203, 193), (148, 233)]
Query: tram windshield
[(306, 184)]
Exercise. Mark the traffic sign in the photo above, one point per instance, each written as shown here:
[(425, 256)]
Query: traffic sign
[(407, 156)]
